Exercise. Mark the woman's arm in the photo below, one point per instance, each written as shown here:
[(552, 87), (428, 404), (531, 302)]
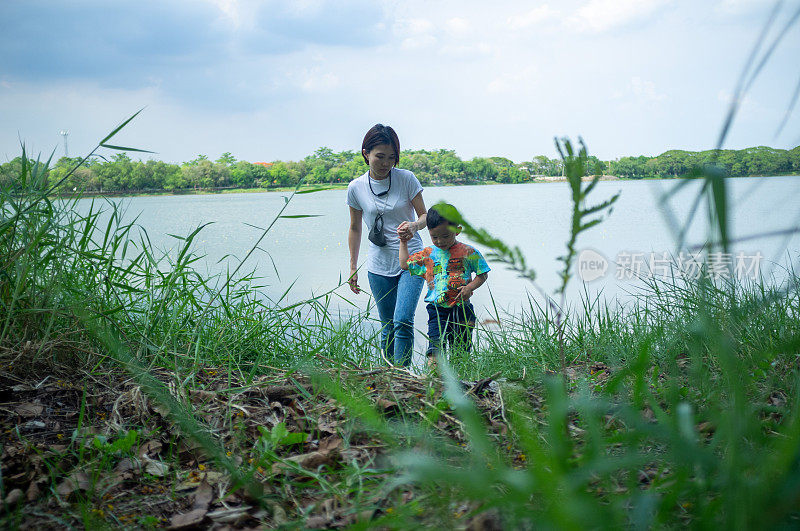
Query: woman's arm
[(354, 244), (422, 213)]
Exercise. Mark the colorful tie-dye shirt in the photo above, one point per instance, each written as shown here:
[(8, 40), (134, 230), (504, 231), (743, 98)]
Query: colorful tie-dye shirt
[(447, 271)]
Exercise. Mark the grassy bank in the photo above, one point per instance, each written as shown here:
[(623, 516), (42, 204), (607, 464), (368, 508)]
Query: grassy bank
[(139, 393)]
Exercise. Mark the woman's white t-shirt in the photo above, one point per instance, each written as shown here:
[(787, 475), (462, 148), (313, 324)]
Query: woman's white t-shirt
[(396, 207)]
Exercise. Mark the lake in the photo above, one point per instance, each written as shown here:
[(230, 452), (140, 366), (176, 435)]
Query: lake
[(312, 254)]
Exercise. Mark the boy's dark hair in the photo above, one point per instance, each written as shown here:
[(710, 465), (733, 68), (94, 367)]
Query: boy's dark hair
[(377, 135), (434, 219)]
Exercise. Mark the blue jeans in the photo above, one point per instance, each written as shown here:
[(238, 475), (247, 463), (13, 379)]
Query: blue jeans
[(396, 298)]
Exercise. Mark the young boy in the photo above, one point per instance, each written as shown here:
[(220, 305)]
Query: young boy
[(447, 267)]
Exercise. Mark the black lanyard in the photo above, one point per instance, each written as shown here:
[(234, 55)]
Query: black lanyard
[(369, 181)]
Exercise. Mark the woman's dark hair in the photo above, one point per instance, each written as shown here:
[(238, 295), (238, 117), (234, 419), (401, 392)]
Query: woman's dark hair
[(380, 134)]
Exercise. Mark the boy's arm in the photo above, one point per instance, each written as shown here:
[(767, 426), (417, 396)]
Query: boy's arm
[(403, 255), (465, 292)]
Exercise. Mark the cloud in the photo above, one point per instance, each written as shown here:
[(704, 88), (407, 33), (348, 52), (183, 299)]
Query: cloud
[(415, 33), (315, 81), (212, 53), (412, 26), (121, 43), (515, 82), (533, 17), (605, 15), (645, 90), (467, 51), (354, 23), (458, 26), (419, 42)]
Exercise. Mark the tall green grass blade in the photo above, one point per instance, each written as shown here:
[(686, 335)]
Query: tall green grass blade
[(119, 128), (121, 148)]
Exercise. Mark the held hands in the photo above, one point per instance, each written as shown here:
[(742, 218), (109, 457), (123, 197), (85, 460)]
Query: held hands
[(406, 230)]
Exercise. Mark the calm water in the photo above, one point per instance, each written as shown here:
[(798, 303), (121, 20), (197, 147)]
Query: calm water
[(313, 253)]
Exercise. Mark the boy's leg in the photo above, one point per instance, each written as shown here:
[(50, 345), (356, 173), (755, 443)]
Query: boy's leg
[(436, 322), (464, 317), (384, 291), (450, 328), (409, 288)]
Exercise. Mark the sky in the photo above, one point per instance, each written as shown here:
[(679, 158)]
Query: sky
[(275, 80)]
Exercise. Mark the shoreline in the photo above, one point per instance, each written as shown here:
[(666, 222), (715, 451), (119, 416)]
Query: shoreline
[(343, 186)]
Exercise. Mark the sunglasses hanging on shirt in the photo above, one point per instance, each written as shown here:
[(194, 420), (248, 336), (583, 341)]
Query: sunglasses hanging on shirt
[(376, 235)]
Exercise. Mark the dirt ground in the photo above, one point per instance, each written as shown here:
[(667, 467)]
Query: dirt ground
[(87, 447)]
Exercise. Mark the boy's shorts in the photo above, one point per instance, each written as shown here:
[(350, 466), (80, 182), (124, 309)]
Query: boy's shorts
[(452, 326)]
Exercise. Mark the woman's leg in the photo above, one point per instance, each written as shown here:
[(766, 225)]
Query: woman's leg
[(409, 288), (384, 291)]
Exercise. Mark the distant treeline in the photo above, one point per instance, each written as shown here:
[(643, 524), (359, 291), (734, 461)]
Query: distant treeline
[(121, 174)]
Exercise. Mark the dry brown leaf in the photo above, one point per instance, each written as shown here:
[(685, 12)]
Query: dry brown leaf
[(311, 460), (500, 427), (388, 407), (315, 522), (706, 427), (188, 484), (280, 391), (33, 490), (777, 399), (279, 514), (126, 465), (232, 515), (76, 481), (29, 409), (330, 444), (327, 423), (154, 468), (14, 497), (205, 396), (150, 448), (189, 445), (188, 520), (213, 477), (203, 496)]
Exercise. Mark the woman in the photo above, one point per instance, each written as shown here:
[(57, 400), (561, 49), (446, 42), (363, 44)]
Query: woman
[(386, 199)]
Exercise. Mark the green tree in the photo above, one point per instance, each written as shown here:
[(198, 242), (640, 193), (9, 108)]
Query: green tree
[(599, 168), (115, 174), (226, 159), (243, 174), (482, 169)]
